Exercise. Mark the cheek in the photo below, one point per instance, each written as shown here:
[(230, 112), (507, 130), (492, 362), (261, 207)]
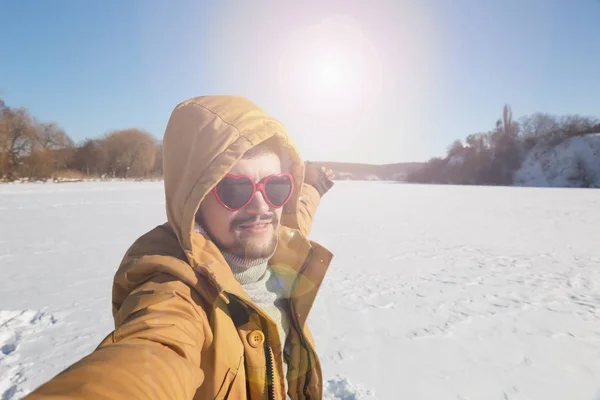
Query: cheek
[(217, 218), (228, 217)]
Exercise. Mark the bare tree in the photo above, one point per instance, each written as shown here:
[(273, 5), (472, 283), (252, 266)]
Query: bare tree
[(91, 158), (131, 152), (510, 127), (17, 136), (577, 125), (51, 136), (52, 151), (456, 148), (539, 128), (538, 125)]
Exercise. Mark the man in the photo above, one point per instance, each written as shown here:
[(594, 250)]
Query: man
[(214, 303)]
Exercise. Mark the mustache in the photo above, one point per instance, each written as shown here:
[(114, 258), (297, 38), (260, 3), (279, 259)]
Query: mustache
[(270, 218)]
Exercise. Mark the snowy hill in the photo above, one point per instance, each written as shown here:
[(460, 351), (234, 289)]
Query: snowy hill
[(572, 163), (488, 293)]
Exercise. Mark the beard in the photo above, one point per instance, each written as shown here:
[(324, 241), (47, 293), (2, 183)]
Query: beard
[(250, 245), (253, 246)]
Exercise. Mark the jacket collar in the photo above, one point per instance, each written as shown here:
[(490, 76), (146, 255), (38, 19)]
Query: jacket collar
[(300, 264)]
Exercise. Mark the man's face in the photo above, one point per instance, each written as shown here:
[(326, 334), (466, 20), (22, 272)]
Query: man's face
[(250, 232)]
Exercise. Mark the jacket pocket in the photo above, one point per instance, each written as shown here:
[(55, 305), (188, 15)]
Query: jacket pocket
[(223, 392), (225, 389)]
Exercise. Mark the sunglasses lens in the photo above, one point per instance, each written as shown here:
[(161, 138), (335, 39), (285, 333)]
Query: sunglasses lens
[(235, 192), (278, 190)]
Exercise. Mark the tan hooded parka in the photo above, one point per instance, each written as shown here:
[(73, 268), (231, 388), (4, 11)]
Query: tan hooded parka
[(184, 327)]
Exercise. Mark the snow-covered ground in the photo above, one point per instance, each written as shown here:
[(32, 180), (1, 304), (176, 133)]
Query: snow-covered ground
[(572, 163), (435, 292)]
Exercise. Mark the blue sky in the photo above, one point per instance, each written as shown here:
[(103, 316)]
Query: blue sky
[(432, 71)]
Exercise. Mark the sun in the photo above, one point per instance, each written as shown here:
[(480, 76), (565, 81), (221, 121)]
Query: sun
[(329, 76), (330, 69)]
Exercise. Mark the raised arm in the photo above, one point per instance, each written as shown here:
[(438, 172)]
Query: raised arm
[(316, 183)]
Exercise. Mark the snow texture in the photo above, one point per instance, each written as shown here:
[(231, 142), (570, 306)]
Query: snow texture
[(435, 292), (572, 163)]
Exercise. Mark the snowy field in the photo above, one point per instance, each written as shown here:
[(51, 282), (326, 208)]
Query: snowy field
[(435, 292)]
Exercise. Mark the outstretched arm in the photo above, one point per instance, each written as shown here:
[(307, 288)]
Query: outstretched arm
[(153, 354)]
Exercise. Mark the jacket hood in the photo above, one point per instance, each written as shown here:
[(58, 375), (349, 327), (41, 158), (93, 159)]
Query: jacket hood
[(204, 138)]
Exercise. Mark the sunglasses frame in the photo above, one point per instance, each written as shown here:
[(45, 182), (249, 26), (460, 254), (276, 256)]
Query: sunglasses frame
[(257, 187)]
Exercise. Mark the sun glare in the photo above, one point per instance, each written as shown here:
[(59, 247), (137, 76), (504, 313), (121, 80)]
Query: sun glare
[(330, 69), (329, 76)]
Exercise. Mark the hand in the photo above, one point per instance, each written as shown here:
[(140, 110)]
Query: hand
[(328, 173), (311, 173)]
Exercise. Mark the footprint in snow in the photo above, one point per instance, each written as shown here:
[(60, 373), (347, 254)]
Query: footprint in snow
[(342, 355), (377, 301), (340, 388), (14, 327)]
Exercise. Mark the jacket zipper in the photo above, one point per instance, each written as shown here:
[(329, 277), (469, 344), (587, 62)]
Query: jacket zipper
[(270, 369)]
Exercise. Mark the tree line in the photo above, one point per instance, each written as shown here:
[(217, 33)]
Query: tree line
[(491, 158), (34, 150)]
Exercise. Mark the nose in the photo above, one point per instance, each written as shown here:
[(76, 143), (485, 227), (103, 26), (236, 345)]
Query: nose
[(257, 205)]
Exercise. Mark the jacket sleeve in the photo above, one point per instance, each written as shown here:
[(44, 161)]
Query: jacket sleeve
[(307, 207), (154, 353)]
